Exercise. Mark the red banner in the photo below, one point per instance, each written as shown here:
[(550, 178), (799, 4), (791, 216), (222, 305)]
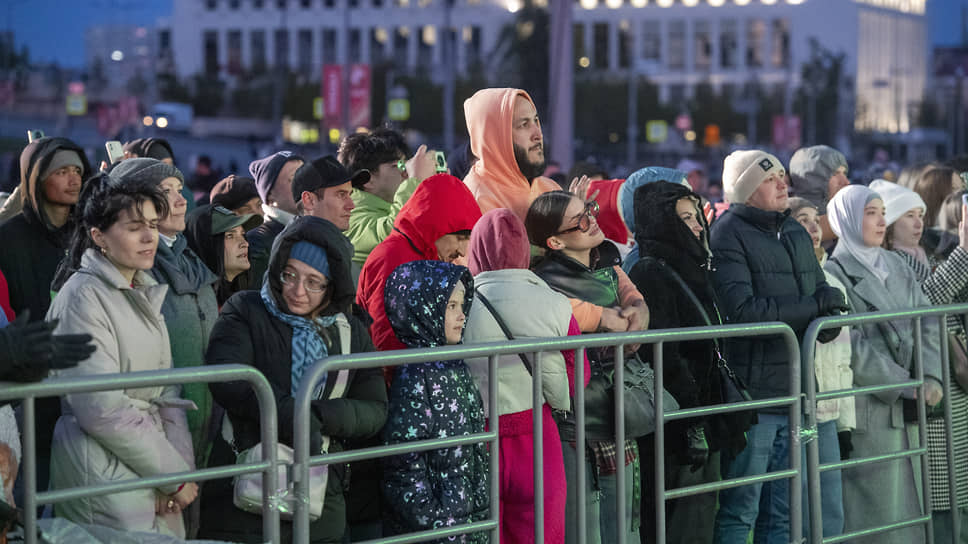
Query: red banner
[(332, 93), (359, 96)]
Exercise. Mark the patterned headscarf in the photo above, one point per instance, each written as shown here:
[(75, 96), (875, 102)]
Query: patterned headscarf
[(416, 298)]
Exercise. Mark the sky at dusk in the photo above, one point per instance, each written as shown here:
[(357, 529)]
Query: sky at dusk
[(54, 29)]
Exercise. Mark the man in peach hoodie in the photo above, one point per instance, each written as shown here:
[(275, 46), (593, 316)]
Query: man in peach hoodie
[(506, 138)]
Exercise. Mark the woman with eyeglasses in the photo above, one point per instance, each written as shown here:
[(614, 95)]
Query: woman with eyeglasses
[(301, 315), (602, 299)]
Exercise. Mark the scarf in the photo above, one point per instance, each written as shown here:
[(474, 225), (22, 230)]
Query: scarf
[(180, 268), (307, 345), (846, 214)]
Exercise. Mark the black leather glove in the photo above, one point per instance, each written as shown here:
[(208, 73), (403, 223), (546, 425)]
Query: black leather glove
[(28, 351), (697, 449), (843, 437), (830, 301)]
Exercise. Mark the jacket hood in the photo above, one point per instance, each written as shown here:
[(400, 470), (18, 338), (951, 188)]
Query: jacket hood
[(33, 162), (198, 232), (609, 216), (339, 252), (649, 174), (658, 229), (810, 172), (441, 205), (416, 298), (498, 241)]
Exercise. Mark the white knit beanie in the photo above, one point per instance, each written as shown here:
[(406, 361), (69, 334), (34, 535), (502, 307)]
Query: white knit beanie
[(744, 171), (898, 200)]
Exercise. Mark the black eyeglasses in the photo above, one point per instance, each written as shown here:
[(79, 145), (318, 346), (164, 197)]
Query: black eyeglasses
[(585, 219)]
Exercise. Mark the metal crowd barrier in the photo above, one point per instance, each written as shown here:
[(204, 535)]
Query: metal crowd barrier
[(814, 468), (658, 338), (111, 382), (303, 459)]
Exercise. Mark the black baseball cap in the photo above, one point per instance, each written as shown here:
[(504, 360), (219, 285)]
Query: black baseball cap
[(322, 173)]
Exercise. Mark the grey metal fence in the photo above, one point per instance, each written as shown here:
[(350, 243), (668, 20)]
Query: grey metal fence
[(110, 382), (814, 468), (303, 459)]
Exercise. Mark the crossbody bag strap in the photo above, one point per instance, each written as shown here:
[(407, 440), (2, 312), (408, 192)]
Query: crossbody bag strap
[(504, 328)]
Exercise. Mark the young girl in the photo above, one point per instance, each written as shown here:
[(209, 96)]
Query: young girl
[(426, 304)]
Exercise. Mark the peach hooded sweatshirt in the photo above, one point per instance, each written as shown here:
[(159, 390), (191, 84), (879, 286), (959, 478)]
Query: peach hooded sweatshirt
[(495, 179)]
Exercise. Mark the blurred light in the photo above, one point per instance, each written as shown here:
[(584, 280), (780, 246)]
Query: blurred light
[(690, 3), (75, 87), (525, 29), (624, 24), (690, 135), (613, 4), (148, 121), (362, 130), (715, 3), (613, 137), (514, 5), (794, 1), (467, 33), (540, 3), (429, 35), (117, 55), (665, 3), (584, 62), (588, 4), (768, 2), (381, 35), (403, 31), (141, 32), (741, 2), (162, 122), (334, 135), (639, 3)]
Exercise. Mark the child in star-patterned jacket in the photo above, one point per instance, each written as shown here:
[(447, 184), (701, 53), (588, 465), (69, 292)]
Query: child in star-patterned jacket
[(426, 303)]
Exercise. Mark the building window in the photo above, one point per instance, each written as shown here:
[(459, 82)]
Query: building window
[(578, 44), (234, 4), (677, 94), (329, 45), (164, 40), (651, 41), (281, 4), (234, 39), (353, 3), (329, 3), (702, 45), (306, 4), (258, 42), (780, 49), (282, 48), (378, 3), (755, 36), (677, 45), (425, 50), (258, 4), (356, 45), (210, 44), (600, 37), (728, 44), (472, 39), (378, 43), (625, 44), (401, 39), (305, 40), (210, 5)]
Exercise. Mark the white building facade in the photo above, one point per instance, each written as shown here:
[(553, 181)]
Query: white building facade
[(678, 44)]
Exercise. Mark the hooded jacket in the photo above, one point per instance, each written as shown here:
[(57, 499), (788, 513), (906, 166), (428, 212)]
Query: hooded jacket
[(441, 205), (810, 172), (32, 245), (667, 244), (247, 333), (210, 249), (495, 179), (427, 490), (626, 199)]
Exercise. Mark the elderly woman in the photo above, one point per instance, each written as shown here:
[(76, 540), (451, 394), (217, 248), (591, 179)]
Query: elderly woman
[(879, 280), (300, 316), (110, 436)]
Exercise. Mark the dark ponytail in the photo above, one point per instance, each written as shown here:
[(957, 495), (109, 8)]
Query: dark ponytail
[(101, 201)]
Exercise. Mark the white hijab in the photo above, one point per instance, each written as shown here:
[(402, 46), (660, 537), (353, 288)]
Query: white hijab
[(846, 215)]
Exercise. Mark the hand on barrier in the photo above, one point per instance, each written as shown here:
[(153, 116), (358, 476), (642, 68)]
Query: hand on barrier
[(29, 350), (613, 321), (843, 437), (186, 495), (932, 392), (697, 449), (830, 301)]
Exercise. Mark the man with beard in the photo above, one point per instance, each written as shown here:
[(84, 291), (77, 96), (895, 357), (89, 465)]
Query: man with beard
[(510, 162)]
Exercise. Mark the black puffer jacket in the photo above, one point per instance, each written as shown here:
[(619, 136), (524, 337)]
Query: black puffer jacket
[(260, 243), (247, 333), (764, 269), (666, 244)]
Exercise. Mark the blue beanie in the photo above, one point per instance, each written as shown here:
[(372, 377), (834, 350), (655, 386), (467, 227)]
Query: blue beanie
[(312, 255)]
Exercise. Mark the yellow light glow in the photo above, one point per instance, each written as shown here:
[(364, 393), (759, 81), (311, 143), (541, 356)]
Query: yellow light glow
[(715, 3), (665, 3), (334, 135), (768, 2), (690, 135), (690, 3), (148, 121), (639, 3), (467, 33), (589, 4), (162, 122), (429, 35), (584, 62), (741, 2), (514, 5), (613, 4), (613, 137), (380, 34)]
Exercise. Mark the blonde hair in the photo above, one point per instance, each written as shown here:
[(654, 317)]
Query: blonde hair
[(950, 213)]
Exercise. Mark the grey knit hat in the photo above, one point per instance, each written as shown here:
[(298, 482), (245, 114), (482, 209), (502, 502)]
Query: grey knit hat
[(145, 170), (810, 171)]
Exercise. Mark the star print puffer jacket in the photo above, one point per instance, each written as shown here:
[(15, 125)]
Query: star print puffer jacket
[(439, 488)]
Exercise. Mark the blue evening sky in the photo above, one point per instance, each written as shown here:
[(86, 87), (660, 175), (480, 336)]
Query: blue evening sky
[(54, 29)]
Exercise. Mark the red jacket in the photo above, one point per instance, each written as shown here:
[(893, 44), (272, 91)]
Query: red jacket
[(5, 299), (441, 205)]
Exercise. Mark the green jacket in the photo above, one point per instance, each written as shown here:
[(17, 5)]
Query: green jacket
[(372, 219)]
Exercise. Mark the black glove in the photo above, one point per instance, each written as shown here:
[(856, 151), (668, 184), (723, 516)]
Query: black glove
[(843, 437), (830, 301), (697, 449), (29, 350)]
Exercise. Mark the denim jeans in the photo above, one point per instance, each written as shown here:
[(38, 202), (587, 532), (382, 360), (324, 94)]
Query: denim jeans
[(609, 506), (831, 485), (764, 507), (592, 495)]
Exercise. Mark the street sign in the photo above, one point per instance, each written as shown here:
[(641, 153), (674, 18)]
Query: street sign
[(656, 131), (711, 137), (76, 104), (398, 109)]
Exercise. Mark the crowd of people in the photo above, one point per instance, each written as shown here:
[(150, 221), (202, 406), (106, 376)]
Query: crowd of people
[(379, 248)]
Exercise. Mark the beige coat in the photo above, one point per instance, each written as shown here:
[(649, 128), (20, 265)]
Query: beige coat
[(118, 435)]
